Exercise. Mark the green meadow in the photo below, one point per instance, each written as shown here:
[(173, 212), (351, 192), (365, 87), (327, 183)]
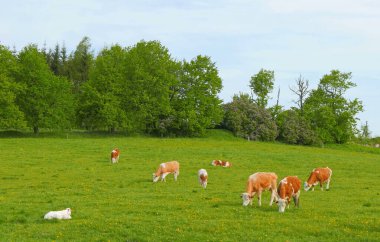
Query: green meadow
[(119, 202)]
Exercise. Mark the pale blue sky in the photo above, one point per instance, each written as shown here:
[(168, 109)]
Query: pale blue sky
[(291, 37)]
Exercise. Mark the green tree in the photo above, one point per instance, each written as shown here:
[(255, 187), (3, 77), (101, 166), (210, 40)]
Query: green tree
[(63, 68), (246, 119), (149, 75), (79, 64), (294, 128), (10, 114), (194, 100), (261, 85), (100, 106), (331, 115), (47, 100), (55, 60)]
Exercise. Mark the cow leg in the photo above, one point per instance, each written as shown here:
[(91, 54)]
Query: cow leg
[(273, 197), (259, 197), (321, 185), (176, 175), (163, 176), (328, 184), (252, 195), (296, 199)]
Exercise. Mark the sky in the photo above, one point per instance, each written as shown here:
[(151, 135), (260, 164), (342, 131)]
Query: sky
[(292, 38)]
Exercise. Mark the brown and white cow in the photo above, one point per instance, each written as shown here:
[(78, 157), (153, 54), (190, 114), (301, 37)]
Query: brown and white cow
[(257, 183), (115, 153), (203, 177), (165, 169), (221, 163), (321, 175), (289, 187)]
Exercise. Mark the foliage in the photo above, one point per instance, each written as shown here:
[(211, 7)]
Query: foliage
[(150, 74), (120, 203), (246, 119), (331, 115), (194, 100), (80, 63), (10, 114), (46, 100), (100, 106), (294, 128), (262, 84)]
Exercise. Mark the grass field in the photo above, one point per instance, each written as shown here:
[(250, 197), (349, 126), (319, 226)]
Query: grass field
[(120, 203)]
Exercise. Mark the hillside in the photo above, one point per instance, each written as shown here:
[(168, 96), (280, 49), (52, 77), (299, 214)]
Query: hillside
[(120, 203)]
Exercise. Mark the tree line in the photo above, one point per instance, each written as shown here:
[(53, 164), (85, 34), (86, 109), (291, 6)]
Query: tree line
[(143, 89)]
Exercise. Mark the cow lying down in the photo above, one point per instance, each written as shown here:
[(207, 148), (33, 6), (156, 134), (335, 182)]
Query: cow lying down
[(63, 214)]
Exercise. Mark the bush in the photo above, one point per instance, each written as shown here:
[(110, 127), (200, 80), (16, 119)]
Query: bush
[(246, 119)]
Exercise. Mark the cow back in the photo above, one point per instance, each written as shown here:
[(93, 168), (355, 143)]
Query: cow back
[(262, 181)]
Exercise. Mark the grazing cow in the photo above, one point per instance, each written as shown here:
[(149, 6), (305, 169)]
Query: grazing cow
[(289, 187), (221, 163), (166, 168), (115, 156), (203, 176), (257, 183), (63, 214), (320, 175)]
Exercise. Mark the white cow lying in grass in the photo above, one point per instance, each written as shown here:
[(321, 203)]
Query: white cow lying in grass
[(64, 214), (165, 169)]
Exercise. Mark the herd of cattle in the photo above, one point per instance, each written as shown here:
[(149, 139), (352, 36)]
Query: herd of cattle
[(289, 187)]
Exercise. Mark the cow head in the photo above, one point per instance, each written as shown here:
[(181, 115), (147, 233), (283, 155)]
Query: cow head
[(247, 198), (68, 211), (282, 204), (155, 178), (306, 186)]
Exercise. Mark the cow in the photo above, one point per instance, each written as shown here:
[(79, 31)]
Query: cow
[(289, 187), (257, 183), (203, 177), (321, 175), (166, 168), (221, 163), (115, 153), (63, 214)]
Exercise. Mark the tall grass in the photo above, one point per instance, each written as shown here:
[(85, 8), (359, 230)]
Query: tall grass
[(120, 203)]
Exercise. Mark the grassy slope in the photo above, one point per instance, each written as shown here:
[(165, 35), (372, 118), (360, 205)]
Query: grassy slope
[(119, 202)]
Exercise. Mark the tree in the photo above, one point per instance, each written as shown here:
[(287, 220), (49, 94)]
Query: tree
[(262, 84), (55, 60), (100, 101), (331, 115), (246, 119), (294, 128), (194, 99), (301, 90), (10, 114), (150, 72), (47, 100), (80, 63), (63, 68)]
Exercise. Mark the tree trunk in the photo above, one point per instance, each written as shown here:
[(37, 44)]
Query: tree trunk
[(36, 130)]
